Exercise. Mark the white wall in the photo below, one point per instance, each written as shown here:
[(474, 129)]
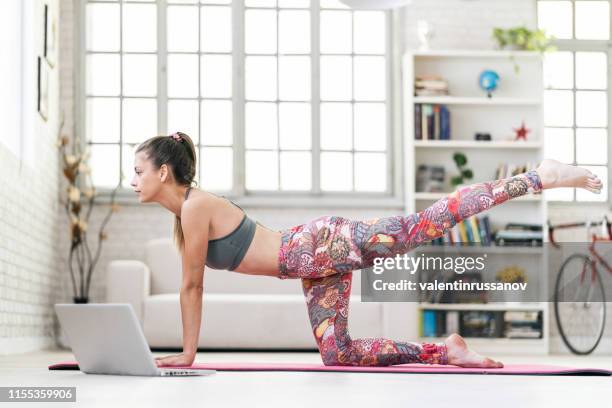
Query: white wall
[(29, 274)]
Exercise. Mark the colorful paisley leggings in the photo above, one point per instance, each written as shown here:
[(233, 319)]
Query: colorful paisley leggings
[(324, 252)]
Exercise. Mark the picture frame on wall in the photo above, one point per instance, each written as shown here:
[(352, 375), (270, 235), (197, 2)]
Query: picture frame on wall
[(43, 89), (50, 36)]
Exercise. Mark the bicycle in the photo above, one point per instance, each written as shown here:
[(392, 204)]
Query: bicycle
[(581, 315)]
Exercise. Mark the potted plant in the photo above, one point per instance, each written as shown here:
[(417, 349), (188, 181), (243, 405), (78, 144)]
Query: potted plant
[(464, 173), (522, 39), (80, 196)]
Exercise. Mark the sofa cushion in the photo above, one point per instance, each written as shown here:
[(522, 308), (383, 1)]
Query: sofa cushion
[(250, 321)]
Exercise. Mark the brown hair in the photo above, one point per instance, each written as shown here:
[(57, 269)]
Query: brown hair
[(179, 154)]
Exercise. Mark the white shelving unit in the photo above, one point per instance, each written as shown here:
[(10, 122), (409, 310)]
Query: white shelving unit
[(517, 99)]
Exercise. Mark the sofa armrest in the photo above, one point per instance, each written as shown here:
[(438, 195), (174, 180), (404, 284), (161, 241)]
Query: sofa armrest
[(128, 281)]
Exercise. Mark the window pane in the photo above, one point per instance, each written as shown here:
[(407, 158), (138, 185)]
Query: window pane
[(558, 70), (217, 123), (260, 123), (182, 75), (296, 170), (586, 195), (336, 78), (183, 117), (295, 124), (103, 27), (370, 78), (182, 29), (261, 170), (140, 75), (216, 29), (592, 20), (333, 4), (260, 78), (260, 31), (294, 32), (559, 194), (104, 163), (102, 120), (103, 75), (260, 3), (217, 164), (370, 172), (294, 78), (336, 126), (139, 120), (336, 34), (127, 165), (591, 70), (294, 3), (556, 18), (559, 144), (591, 146), (369, 32), (591, 108), (370, 126), (216, 76), (558, 108), (336, 171), (139, 27)]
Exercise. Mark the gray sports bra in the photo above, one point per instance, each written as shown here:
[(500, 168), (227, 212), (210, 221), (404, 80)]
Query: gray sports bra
[(227, 252)]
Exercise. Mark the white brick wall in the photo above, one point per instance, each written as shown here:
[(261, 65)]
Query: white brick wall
[(29, 274)]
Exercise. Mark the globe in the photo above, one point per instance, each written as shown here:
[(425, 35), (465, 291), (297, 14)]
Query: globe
[(488, 81)]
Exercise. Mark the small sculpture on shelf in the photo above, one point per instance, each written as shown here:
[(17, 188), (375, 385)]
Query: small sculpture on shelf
[(488, 81), (521, 133)]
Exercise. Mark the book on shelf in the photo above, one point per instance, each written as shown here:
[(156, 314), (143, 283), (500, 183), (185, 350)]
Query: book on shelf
[(430, 85), (475, 230), (505, 170), (523, 324), (520, 234), (431, 122), (480, 323)]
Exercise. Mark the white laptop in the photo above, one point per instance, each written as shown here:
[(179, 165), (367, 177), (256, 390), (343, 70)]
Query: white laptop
[(106, 338)]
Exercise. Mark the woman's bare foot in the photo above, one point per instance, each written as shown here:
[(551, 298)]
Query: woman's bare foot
[(459, 354), (555, 174)]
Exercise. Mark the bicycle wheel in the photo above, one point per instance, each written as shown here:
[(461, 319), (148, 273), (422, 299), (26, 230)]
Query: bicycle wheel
[(580, 306)]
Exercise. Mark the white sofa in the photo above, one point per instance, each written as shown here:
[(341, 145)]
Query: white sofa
[(240, 311)]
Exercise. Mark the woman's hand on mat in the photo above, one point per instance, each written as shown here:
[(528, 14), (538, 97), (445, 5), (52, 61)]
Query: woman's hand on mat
[(182, 360)]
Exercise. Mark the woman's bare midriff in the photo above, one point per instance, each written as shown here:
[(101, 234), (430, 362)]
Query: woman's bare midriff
[(262, 256)]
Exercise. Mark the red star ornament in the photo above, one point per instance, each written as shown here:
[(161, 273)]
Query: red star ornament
[(521, 133)]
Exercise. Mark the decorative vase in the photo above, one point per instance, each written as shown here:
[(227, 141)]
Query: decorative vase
[(79, 299)]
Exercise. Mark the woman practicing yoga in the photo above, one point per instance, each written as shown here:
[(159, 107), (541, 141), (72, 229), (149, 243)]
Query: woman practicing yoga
[(211, 230)]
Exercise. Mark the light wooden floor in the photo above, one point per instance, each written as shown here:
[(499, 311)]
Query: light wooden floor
[(280, 389)]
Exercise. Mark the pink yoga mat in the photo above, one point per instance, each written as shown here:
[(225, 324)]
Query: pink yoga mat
[(516, 369)]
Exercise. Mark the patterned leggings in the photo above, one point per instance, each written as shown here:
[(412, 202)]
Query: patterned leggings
[(324, 252)]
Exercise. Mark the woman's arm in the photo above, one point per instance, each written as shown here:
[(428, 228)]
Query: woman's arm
[(195, 224)]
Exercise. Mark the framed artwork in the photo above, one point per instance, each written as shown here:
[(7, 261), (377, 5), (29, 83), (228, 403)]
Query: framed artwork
[(43, 89), (50, 36)]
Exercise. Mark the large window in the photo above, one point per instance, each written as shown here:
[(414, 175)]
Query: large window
[(278, 95), (576, 96)]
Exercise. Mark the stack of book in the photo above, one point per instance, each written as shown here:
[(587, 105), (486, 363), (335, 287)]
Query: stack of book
[(520, 234), (432, 85), (431, 122), (475, 230), (523, 324), (505, 170)]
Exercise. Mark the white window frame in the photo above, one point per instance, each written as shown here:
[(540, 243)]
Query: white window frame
[(574, 45), (393, 198)]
